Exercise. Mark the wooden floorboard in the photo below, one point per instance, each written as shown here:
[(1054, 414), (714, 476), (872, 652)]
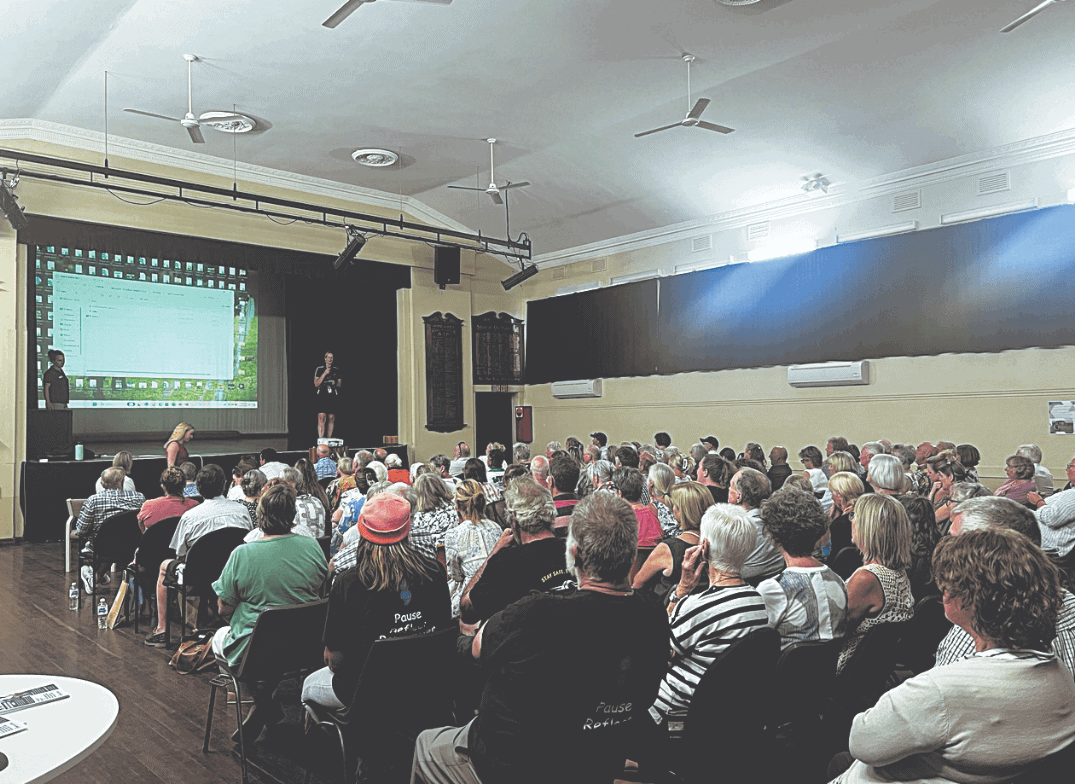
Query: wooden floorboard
[(158, 737)]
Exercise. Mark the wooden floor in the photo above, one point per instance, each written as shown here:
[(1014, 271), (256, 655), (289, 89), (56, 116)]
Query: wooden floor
[(158, 737)]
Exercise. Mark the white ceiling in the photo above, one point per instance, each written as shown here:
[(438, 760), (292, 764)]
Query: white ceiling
[(854, 89)]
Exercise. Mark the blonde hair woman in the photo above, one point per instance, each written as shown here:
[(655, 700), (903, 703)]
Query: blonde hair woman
[(468, 544), (661, 479), (662, 568), (173, 447), (880, 590), (845, 487)]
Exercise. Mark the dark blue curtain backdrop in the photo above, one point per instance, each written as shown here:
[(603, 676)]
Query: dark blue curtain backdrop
[(596, 334), (997, 284)]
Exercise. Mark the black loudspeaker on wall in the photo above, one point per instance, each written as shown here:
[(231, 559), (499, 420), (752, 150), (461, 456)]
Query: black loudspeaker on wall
[(446, 266)]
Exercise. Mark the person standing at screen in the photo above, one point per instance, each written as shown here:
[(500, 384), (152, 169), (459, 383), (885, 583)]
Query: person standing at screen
[(57, 387), (328, 382), (174, 448)]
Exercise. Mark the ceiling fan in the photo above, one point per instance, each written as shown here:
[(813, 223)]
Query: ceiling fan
[(189, 121), (492, 190), (351, 6), (694, 114), (1031, 13)]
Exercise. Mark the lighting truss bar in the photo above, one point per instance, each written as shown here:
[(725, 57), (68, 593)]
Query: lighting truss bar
[(380, 226)]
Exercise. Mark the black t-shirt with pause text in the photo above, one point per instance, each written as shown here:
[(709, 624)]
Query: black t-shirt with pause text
[(514, 572), (357, 617), (570, 675)]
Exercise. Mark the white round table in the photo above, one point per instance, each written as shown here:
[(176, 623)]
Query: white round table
[(58, 735)]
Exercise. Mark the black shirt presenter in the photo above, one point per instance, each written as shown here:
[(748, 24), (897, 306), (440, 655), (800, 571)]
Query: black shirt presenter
[(328, 383), (57, 387)]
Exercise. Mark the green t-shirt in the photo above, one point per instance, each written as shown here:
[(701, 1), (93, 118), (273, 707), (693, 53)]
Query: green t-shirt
[(267, 573)]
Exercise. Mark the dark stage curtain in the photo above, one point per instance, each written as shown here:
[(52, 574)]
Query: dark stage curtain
[(594, 334)]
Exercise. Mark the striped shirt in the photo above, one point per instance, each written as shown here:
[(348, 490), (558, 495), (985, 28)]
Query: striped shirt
[(703, 626), (1057, 522), (958, 644)]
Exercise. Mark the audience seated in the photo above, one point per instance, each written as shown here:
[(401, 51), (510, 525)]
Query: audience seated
[(886, 475), (435, 514), (705, 624), (312, 505), (527, 556), (979, 514), (440, 465), (969, 457), (172, 504), (269, 465), (396, 471), (475, 469), (110, 501), (325, 466), (189, 472), (252, 486), (748, 488), (278, 569), (845, 487), (660, 481), (569, 674), (562, 481), (393, 590), (661, 571), (1043, 477), (345, 481), (235, 492), (985, 718), (214, 513), (879, 591), (1020, 471), (629, 482), (459, 459), (125, 461), (1056, 518), (715, 472), (807, 601), (779, 471), (943, 471), (467, 545), (924, 537)]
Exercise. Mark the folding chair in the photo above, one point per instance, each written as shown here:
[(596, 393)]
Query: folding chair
[(405, 688), (285, 643), (205, 561), (153, 549), (74, 506)]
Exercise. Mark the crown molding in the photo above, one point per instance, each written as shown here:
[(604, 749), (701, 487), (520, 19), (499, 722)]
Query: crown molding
[(160, 155), (1019, 153)]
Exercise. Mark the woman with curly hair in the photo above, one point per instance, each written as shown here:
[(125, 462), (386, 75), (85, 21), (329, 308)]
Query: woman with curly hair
[(988, 717), (808, 600), (468, 544), (1020, 471), (943, 471)]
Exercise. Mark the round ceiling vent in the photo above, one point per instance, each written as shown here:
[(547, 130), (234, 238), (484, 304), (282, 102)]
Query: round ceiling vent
[(375, 157), (228, 122)]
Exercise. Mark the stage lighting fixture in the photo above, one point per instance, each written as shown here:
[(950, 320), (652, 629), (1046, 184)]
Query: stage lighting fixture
[(355, 241), (524, 274), (9, 205)]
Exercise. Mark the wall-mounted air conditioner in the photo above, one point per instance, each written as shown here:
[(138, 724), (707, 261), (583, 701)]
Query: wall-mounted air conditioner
[(830, 374), (569, 389)]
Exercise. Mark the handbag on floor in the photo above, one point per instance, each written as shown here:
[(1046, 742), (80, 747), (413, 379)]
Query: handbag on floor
[(194, 655)]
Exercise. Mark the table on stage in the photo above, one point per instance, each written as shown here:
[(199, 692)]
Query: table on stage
[(59, 734)]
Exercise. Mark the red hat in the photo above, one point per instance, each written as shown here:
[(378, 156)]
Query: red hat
[(385, 519)]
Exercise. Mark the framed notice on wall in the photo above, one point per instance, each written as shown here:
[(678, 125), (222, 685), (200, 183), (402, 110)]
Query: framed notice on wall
[(444, 372), (498, 349)]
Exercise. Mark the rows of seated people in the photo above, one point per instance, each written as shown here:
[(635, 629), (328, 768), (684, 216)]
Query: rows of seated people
[(596, 585)]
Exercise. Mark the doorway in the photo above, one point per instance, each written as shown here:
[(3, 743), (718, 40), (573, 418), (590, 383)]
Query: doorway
[(494, 417)]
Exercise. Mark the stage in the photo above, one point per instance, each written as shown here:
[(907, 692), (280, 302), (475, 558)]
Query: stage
[(45, 485)]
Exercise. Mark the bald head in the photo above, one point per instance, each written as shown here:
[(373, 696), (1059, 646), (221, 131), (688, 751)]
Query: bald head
[(322, 451), (778, 455), (539, 468)]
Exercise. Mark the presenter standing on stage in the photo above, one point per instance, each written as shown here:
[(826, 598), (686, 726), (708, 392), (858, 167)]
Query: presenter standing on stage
[(328, 382), (57, 387), (173, 447)]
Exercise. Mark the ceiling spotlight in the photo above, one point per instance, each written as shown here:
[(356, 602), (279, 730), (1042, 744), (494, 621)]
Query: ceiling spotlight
[(522, 275), (816, 182), (9, 204), (355, 241)]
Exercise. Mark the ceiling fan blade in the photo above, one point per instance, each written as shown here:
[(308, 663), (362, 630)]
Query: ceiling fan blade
[(465, 188), (699, 107), (439, 2), (714, 127), (342, 13), (514, 185), (1031, 13), (150, 114), (662, 128), (195, 134), (221, 118), (496, 197)]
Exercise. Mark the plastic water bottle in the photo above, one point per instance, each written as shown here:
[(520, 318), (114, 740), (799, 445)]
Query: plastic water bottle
[(72, 595), (102, 614), (79, 451)]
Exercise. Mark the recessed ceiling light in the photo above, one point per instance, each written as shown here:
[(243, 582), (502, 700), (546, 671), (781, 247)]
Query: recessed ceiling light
[(375, 157), (228, 122)]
